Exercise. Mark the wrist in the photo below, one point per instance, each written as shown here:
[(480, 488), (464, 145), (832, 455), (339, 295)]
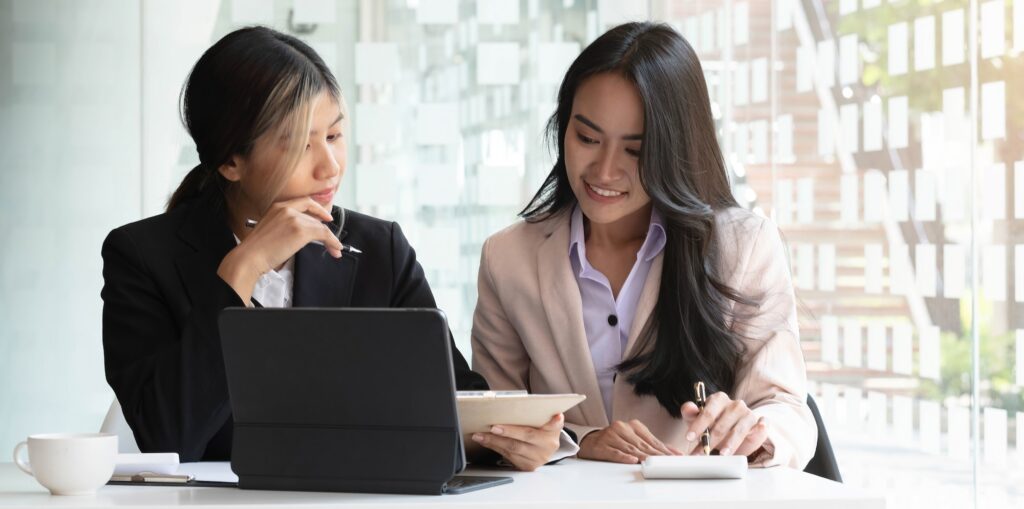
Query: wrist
[(238, 274)]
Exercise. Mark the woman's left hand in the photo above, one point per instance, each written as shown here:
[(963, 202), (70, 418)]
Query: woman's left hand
[(525, 447), (735, 429)]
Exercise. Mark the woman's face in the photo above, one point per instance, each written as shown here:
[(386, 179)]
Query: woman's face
[(319, 169), (602, 148)]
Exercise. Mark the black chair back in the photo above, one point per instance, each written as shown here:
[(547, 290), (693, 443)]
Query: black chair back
[(823, 464)]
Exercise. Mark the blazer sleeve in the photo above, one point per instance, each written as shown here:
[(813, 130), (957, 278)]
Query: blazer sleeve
[(772, 379), (410, 290), (168, 376), (498, 351)]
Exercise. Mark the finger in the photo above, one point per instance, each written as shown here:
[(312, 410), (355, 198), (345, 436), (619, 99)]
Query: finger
[(716, 403), (507, 447), (676, 452), (630, 445), (555, 424), (309, 206), (755, 438), (733, 413), (656, 446), (731, 441), (689, 411), (616, 456)]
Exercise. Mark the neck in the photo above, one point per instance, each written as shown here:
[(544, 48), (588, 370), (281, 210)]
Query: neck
[(622, 233)]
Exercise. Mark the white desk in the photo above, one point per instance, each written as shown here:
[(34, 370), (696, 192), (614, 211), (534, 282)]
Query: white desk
[(572, 483)]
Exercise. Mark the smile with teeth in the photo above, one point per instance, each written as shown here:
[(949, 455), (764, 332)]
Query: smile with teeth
[(605, 192)]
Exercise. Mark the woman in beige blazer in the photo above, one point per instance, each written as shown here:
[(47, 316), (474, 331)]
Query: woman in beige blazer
[(637, 221)]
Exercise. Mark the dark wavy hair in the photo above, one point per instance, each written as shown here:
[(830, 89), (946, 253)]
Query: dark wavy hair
[(687, 337)]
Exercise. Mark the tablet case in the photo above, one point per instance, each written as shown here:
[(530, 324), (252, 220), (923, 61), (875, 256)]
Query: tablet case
[(359, 400)]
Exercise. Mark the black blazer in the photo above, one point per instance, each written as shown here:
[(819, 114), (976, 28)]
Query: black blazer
[(162, 296)]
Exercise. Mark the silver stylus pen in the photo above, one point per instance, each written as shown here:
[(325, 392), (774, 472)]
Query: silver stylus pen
[(345, 248)]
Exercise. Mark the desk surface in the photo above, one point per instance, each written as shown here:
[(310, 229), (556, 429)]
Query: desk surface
[(571, 483)]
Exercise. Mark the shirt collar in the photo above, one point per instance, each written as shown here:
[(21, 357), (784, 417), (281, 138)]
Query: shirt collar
[(653, 244)]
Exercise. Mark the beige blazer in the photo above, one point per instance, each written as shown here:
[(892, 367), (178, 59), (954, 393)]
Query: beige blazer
[(528, 331)]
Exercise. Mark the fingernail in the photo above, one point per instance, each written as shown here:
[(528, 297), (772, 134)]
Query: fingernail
[(478, 437), (690, 436), (497, 430), (725, 452)]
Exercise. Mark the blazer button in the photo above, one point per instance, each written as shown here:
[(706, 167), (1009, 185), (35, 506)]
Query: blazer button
[(613, 320)]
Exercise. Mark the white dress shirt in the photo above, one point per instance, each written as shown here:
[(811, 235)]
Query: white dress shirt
[(274, 289)]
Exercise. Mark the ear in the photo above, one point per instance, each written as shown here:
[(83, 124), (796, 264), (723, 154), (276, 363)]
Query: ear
[(232, 170)]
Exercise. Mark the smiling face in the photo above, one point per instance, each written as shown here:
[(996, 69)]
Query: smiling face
[(602, 149), (319, 168)]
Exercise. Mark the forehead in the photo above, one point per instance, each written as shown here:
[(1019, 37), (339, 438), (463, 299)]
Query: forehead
[(611, 101)]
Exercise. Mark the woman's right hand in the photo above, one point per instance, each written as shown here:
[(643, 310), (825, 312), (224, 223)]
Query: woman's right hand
[(623, 442), (285, 229)]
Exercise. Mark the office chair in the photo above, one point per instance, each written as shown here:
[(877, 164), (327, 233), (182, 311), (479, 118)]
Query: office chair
[(823, 464)]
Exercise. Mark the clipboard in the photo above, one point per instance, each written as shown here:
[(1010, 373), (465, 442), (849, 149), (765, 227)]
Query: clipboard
[(479, 410), (154, 479)]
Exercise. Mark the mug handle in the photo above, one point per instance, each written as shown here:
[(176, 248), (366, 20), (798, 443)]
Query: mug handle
[(23, 465)]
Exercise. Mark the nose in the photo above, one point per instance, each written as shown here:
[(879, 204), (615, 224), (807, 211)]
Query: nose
[(607, 167), (328, 164)]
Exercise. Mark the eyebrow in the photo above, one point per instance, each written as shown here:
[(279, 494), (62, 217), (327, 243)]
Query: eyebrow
[(590, 123), (340, 116)]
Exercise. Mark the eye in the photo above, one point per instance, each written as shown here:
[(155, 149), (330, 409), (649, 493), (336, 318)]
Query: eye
[(633, 152), (333, 137), (586, 139)]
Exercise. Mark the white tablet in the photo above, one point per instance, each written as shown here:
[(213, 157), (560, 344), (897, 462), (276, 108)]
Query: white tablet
[(694, 467)]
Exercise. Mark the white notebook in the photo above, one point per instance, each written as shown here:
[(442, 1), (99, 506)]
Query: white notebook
[(694, 467), (479, 410)]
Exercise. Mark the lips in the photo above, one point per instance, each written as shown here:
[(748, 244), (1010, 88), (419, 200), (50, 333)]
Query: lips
[(602, 194), (325, 196)]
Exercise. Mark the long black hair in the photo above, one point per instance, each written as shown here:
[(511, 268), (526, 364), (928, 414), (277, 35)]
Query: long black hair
[(687, 337), (250, 81)]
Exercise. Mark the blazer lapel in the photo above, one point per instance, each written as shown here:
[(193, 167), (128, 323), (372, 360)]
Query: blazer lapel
[(560, 297), (322, 280), (645, 305), (205, 230)]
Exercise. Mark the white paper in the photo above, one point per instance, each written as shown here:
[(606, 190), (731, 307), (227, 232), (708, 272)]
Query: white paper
[(995, 436), (953, 35), (805, 68), (924, 43), (902, 349), (875, 196), (217, 471), (759, 80), (740, 23), (900, 269), (1018, 367), (375, 124), (899, 195), (876, 347), (848, 121), (784, 14), (553, 60), (830, 339), (993, 28), (437, 124), (375, 185), (993, 110), (377, 62), (898, 40), (741, 84), (898, 122), (805, 266), (958, 434), (1018, 190), (924, 195), (993, 271), (878, 408), (436, 185), (827, 267), (1018, 45), (315, 12), (849, 60), (873, 125), (924, 267), (252, 12), (928, 350), (994, 191), (873, 268), (930, 424), (849, 195), (954, 270), (437, 12), (853, 346), (826, 133), (1018, 278), (784, 139), (854, 408), (903, 418), (805, 200), (497, 12), (826, 63)]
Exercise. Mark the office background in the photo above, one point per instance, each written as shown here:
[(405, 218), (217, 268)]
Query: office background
[(884, 136)]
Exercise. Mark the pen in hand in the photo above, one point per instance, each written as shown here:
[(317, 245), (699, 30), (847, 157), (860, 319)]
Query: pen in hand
[(345, 248), (701, 398)]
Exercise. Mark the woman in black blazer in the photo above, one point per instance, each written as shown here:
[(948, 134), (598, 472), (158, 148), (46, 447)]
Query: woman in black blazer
[(259, 204)]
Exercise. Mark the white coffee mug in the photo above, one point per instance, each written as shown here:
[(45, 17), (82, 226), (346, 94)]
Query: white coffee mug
[(69, 463)]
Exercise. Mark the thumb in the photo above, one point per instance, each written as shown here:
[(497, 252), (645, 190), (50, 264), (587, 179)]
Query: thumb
[(554, 424)]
